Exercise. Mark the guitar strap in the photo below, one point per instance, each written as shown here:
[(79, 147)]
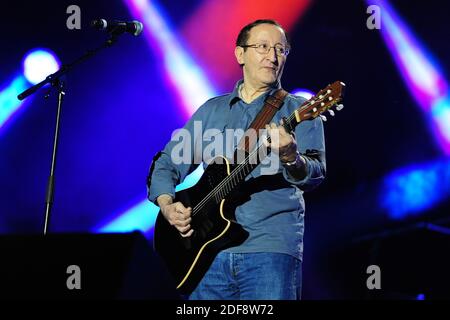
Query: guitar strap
[(272, 104)]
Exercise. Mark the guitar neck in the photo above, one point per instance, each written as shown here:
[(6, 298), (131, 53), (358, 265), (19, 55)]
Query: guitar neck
[(252, 160), (309, 110), (243, 169)]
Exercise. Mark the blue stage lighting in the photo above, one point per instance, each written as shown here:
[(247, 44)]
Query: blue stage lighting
[(416, 188), (38, 64)]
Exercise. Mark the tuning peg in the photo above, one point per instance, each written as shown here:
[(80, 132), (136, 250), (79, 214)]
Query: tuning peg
[(331, 112), (339, 107), (323, 117)]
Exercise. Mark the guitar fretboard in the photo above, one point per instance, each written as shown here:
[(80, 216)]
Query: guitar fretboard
[(309, 110), (241, 171)]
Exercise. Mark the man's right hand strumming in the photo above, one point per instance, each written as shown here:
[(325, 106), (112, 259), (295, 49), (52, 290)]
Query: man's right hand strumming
[(176, 214)]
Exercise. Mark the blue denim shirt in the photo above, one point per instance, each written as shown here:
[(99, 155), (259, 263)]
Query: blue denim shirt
[(271, 206)]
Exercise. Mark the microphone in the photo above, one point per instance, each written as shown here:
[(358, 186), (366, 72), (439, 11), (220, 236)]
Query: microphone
[(118, 27)]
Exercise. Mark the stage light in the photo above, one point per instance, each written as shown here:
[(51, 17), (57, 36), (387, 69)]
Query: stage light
[(420, 72), (189, 82), (184, 74), (305, 93), (216, 48), (9, 103), (38, 64), (142, 216), (413, 189), (441, 118)]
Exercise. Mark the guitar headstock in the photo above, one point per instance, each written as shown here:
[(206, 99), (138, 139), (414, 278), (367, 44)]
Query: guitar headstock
[(323, 101)]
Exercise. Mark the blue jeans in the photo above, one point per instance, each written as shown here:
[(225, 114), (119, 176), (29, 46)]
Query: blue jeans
[(251, 276)]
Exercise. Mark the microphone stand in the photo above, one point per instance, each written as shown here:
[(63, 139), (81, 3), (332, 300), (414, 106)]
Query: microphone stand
[(56, 82)]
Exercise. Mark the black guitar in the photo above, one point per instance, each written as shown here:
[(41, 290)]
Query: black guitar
[(213, 221)]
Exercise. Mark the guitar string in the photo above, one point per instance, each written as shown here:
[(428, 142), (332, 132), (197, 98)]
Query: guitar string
[(218, 189), (238, 170)]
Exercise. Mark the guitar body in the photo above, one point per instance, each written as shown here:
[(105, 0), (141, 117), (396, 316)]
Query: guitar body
[(214, 226)]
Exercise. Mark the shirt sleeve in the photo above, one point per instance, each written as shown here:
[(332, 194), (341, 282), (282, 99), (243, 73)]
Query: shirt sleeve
[(178, 158), (311, 144)]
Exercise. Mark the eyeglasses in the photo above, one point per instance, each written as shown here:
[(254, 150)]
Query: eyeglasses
[(264, 48)]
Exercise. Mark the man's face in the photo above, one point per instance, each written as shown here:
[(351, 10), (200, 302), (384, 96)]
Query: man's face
[(262, 69)]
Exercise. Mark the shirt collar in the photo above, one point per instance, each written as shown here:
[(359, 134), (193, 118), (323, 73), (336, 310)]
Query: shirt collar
[(234, 95)]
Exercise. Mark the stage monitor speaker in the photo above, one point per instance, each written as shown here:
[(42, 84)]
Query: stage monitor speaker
[(413, 264), (82, 266)]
